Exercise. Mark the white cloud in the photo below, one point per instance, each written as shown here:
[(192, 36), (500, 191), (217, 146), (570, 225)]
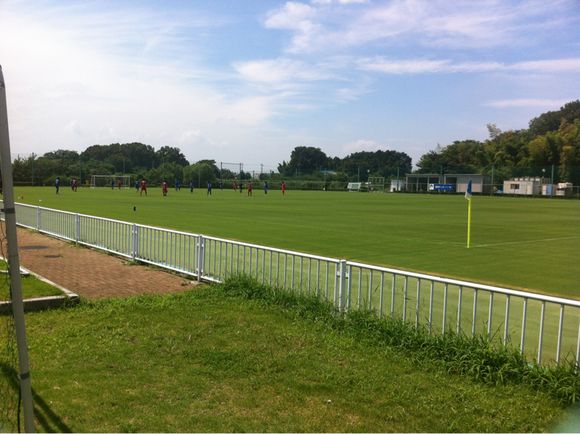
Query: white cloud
[(298, 17), (336, 25), (279, 71), (362, 145), (548, 104), (432, 66), (550, 65), (76, 78), (293, 15), (340, 2), (412, 66), (355, 91)]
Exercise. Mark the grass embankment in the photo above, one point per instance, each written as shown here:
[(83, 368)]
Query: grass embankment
[(516, 242), (31, 286), (239, 358)]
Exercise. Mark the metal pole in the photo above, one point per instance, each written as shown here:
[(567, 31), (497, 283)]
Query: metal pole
[(492, 179), (552, 182), (14, 263), (398, 184)]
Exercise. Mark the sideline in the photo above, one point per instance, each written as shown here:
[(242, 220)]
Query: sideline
[(507, 243)]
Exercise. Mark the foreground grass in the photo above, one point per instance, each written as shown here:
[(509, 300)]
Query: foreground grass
[(211, 360), (516, 242)]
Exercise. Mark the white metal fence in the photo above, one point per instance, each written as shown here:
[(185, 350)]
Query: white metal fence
[(546, 328)]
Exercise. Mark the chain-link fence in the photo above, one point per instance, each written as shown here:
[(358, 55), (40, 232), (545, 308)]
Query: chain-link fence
[(547, 181), (9, 382)]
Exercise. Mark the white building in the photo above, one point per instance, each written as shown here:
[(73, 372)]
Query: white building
[(564, 189), (397, 185), (523, 186)]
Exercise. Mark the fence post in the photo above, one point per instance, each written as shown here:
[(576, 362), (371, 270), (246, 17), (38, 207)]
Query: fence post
[(38, 218), (200, 256), (342, 276), (78, 228), (134, 241)]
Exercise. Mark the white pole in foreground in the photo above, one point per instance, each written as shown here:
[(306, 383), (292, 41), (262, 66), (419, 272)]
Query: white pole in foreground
[(14, 262)]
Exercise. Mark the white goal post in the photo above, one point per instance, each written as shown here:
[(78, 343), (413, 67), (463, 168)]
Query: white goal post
[(110, 181), (354, 186), (376, 183)]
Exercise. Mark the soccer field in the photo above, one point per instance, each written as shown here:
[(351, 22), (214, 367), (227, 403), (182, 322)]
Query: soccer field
[(532, 244)]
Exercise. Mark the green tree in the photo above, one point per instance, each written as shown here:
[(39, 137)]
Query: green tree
[(465, 156), (550, 121), (201, 173), (304, 160), (378, 163), (168, 154)]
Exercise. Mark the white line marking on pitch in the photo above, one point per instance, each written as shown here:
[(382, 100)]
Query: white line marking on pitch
[(526, 242)]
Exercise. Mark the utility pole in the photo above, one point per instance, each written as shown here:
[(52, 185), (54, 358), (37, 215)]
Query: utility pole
[(32, 167), (14, 263), (492, 176)]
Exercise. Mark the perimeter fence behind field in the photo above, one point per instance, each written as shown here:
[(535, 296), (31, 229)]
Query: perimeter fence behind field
[(545, 328), (34, 170)]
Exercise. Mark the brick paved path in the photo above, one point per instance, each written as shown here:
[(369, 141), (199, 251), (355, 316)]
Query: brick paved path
[(89, 273)]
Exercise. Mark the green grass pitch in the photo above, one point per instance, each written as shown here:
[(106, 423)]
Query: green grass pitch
[(531, 244)]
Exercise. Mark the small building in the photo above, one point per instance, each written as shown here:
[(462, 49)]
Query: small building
[(397, 185), (526, 186), (548, 189), (450, 182), (564, 189)]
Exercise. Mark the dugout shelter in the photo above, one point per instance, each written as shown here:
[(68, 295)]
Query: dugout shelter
[(456, 182)]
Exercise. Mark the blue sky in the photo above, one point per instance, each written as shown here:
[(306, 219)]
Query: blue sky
[(247, 81)]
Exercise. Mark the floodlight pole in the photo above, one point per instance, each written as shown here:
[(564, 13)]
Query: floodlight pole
[(14, 263)]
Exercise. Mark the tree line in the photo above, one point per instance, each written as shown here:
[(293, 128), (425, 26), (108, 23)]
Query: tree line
[(135, 159), (169, 163), (552, 142)]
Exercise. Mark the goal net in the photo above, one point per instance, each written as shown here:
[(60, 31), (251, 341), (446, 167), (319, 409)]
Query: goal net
[(376, 183), (111, 181), (9, 379), (230, 171)]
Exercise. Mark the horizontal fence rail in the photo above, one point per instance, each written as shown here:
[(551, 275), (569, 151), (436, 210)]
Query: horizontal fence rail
[(544, 328)]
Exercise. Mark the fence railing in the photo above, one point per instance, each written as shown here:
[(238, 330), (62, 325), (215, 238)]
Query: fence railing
[(545, 328)]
